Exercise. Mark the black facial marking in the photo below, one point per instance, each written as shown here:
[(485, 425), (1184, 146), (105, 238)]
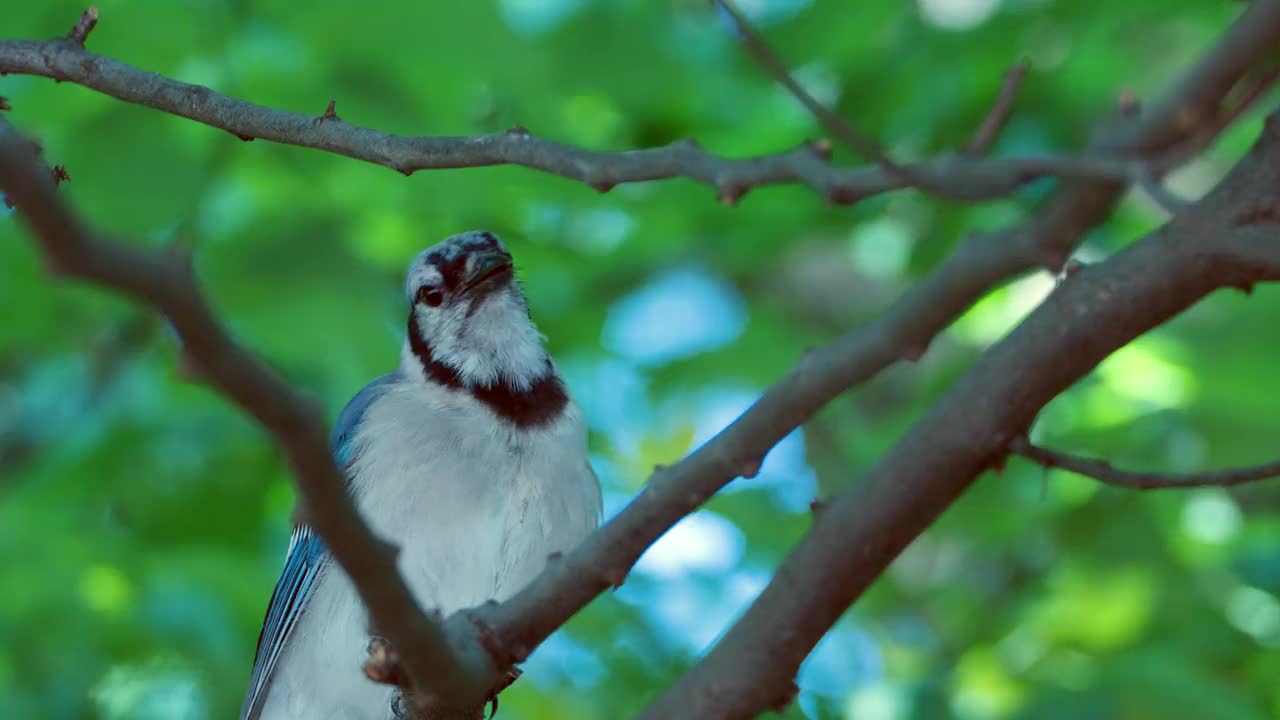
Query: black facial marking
[(451, 259), (429, 295), (542, 403), (452, 267)]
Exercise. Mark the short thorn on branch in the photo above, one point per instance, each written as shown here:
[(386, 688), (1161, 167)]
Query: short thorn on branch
[(821, 147), (615, 577), (729, 195), (842, 196), (330, 113), (750, 468), (1105, 472), (80, 31), (912, 353), (60, 175)]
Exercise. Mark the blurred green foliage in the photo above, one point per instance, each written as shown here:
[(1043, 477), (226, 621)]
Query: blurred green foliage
[(143, 521)]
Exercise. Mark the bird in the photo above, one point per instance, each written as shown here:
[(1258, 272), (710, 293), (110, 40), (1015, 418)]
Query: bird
[(471, 457)]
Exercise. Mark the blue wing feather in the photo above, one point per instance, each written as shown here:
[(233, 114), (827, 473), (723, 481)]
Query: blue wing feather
[(304, 561)]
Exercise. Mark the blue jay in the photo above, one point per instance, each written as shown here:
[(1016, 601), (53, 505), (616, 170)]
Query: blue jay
[(470, 457)]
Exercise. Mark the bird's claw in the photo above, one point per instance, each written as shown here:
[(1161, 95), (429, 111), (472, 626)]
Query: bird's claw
[(512, 675)]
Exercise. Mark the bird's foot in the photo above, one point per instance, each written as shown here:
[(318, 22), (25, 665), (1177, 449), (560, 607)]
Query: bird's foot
[(383, 663), (512, 675)]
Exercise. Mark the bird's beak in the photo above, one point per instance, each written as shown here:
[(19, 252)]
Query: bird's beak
[(490, 270)]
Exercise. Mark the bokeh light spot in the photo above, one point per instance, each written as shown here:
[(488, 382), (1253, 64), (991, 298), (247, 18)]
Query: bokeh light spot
[(105, 589)]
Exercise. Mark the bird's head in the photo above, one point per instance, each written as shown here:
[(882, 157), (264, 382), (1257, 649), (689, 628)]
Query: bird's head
[(469, 322)]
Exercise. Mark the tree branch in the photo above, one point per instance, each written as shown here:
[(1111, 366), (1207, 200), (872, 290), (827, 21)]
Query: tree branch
[(165, 281), (1094, 311), (996, 118), (982, 261), (1105, 472), (80, 31), (975, 178), (1090, 315), (836, 124)]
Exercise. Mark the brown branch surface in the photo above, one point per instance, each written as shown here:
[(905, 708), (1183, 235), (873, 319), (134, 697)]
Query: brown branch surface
[(1228, 239), (974, 178), (1094, 312), (165, 281), (1105, 472)]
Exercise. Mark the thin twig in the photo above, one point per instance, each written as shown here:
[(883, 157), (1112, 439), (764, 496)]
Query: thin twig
[(834, 123), (80, 31), (1105, 472), (996, 118)]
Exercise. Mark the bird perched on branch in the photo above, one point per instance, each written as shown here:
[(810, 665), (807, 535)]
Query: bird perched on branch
[(470, 457)]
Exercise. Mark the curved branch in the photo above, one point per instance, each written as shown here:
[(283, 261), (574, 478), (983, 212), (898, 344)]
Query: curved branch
[(976, 178), (1093, 312), (1090, 315), (1105, 472), (165, 281)]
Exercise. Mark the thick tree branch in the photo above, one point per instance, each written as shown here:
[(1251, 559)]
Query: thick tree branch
[(1090, 315), (975, 178), (1105, 472), (1231, 239), (164, 280)]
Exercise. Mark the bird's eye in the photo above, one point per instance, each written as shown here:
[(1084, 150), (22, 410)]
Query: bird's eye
[(431, 296)]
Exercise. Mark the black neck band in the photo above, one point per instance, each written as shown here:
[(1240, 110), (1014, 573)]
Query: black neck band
[(541, 403)]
